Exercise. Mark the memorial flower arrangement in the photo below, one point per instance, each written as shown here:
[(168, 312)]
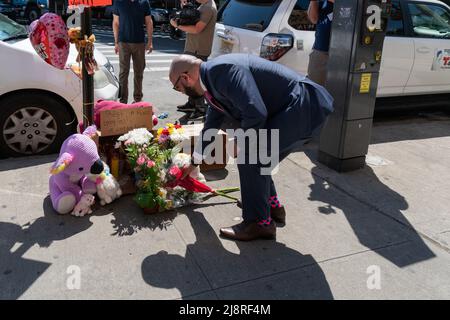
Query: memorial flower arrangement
[(147, 159), (170, 135), (158, 167)]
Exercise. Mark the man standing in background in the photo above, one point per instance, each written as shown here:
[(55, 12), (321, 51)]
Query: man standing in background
[(321, 14), (199, 40), (129, 17)]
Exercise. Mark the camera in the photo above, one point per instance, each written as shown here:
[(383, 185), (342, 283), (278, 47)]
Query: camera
[(189, 15)]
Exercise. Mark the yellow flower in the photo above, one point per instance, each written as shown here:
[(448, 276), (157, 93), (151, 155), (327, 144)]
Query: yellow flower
[(160, 130), (170, 125), (162, 192), (171, 130)]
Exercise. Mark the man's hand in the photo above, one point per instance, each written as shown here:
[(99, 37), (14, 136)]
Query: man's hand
[(149, 47), (183, 2), (116, 48), (174, 23)]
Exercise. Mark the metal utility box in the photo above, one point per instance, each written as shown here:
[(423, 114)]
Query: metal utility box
[(358, 31)]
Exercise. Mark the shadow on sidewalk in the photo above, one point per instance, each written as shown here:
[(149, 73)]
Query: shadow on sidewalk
[(224, 270), (129, 219), (26, 162), (376, 231), (17, 273), (407, 125)]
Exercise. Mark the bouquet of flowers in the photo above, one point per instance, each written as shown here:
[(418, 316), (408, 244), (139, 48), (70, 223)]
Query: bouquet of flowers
[(159, 168), (170, 135), (147, 160)]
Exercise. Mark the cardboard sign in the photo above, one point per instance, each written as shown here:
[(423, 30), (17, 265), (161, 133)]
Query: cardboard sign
[(120, 121), (90, 3)]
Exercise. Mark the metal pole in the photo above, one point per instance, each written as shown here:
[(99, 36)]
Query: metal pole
[(87, 80)]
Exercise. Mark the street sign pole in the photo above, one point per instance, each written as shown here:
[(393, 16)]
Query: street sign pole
[(87, 79), (357, 37)]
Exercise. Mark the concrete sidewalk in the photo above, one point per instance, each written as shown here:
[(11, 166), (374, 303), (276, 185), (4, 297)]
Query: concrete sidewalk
[(390, 219)]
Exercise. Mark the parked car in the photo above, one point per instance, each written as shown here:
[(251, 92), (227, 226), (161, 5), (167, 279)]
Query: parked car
[(159, 14), (8, 9), (416, 50), (41, 105), (28, 10)]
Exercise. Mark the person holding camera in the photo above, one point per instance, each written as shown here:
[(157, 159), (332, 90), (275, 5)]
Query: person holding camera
[(199, 40), (321, 14), (129, 17)]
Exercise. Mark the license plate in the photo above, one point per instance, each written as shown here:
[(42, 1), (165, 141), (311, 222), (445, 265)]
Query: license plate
[(226, 47)]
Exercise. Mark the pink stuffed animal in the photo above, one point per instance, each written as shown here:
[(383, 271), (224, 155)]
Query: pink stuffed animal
[(68, 181)]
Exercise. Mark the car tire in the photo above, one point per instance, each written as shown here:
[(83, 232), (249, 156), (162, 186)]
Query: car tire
[(33, 124), (32, 14)]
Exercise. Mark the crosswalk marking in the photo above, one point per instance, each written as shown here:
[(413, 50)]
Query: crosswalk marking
[(107, 53), (109, 32), (147, 60), (158, 61), (156, 69)]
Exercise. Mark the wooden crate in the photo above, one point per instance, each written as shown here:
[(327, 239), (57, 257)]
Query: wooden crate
[(193, 132), (113, 124)]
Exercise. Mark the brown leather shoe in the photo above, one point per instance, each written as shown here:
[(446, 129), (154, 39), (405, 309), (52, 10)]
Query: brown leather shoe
[(247, 231), (277, 214)]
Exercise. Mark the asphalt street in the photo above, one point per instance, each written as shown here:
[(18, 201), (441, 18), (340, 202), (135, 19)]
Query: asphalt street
[(156, 84)]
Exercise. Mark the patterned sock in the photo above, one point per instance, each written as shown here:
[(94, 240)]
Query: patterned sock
[(265, 222), (274, 202)]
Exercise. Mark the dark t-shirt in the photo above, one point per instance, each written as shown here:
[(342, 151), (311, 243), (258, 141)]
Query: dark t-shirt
[(131, 19), (323, 28)]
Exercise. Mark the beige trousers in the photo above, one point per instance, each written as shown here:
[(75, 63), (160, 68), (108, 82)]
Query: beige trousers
[(135, 51)]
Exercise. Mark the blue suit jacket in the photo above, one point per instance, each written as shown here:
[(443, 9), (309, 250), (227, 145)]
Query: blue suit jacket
[(262, 94)]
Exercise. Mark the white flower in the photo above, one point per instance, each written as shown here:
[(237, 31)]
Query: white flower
[(137, 136), (162, 174), (178, 137), (181, 160)]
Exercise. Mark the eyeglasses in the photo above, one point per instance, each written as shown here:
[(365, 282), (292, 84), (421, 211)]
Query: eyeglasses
[(176, 82)]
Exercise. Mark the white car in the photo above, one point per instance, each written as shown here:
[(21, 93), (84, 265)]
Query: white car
[(416, 52), (41, 105)]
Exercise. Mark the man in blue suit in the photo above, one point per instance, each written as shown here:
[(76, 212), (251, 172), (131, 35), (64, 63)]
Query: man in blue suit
[(255, 94)]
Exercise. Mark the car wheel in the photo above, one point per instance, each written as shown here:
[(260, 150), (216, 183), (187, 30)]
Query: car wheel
[(32, 14), (32, 124)]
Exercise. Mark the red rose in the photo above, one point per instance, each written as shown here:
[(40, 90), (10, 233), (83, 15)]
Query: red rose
[(175, 172)]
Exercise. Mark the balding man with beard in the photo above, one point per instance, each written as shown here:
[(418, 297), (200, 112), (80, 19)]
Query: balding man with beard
[(255, 94)]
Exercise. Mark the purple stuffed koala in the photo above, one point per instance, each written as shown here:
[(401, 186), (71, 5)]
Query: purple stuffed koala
[(68, 181)]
